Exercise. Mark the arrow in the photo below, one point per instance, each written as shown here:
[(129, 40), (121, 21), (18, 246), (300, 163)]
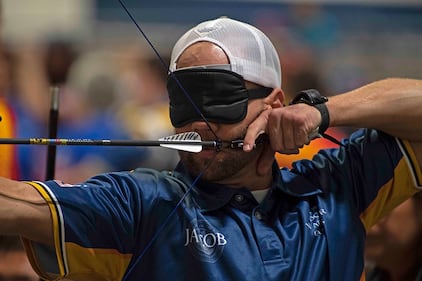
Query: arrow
[(189, 141)]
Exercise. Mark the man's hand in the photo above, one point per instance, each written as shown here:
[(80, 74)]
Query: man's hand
[(288, 128)]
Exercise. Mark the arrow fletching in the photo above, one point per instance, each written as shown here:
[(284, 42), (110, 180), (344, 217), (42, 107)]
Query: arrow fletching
[(190, 137)]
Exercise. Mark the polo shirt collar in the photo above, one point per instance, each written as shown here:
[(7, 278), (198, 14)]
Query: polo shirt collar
[(211, 196)]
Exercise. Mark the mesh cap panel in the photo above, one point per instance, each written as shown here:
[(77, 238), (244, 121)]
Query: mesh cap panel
[(250, 52)]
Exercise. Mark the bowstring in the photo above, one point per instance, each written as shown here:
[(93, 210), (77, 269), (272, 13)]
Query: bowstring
[(166, 221), (198, 111), (196, 179)]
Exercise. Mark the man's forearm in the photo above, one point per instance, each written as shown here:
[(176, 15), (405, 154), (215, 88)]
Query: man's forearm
[(24, 212), (392, 105)]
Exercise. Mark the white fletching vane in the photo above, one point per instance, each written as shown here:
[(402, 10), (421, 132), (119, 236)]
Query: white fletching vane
[(183, 137)]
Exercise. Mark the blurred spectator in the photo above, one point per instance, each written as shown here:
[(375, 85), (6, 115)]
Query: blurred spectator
[(8, 163), (14, 264), (313, 24), (394, 245), (311, 38), (144, 108), (89, 112), (8, 153), (87, 90)]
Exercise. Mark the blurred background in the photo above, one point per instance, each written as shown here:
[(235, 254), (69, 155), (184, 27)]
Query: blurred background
[(346, 42), (113, 85)]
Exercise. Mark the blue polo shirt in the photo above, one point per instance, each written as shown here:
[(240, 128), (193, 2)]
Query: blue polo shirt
[(150, 225)]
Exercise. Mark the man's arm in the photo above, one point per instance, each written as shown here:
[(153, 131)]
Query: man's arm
[(24, 212), (391, 105)]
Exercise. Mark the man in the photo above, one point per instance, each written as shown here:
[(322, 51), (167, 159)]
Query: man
[(8, 163), (8, 154), (230, 213), (393, 248), (14, 265)]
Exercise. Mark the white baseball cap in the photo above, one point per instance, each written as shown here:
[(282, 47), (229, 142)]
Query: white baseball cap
[(250, 51)]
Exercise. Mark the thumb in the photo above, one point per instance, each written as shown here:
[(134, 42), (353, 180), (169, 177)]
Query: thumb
[(265, 161)]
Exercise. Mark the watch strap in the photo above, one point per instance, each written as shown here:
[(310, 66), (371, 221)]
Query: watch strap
[(313, 98), (325, 117)]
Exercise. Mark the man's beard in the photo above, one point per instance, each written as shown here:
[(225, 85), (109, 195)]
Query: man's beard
[(224, 165)]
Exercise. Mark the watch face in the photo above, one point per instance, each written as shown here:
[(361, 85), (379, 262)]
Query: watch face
[(310, 96)]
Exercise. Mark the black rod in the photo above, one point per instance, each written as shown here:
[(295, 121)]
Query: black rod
[(53, 123)]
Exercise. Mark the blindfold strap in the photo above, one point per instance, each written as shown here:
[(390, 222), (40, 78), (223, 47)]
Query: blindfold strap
[(259, 93)]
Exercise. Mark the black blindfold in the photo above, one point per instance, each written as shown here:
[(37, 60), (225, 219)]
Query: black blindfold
[(220, 95)]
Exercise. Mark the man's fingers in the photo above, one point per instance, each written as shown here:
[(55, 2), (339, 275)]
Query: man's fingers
[(256, 128), (288, 128)]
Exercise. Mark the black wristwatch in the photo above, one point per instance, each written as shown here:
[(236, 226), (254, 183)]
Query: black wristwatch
[(313, 98)]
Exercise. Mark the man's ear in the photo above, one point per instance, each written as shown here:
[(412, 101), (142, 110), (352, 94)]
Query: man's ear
[(276, 98)]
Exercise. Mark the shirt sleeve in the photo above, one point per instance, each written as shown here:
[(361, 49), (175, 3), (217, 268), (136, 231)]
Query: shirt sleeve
[(373, 172), (94, 228), (406, 181)]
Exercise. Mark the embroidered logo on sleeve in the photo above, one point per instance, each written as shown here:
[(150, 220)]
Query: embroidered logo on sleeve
[(316, 221)]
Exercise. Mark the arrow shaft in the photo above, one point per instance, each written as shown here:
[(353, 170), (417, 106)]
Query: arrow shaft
[(103, 142)]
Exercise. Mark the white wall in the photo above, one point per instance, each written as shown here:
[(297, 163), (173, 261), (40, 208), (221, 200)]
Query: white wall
[(40, 19)]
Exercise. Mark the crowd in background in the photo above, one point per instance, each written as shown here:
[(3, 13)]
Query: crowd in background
[(118, 91)]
